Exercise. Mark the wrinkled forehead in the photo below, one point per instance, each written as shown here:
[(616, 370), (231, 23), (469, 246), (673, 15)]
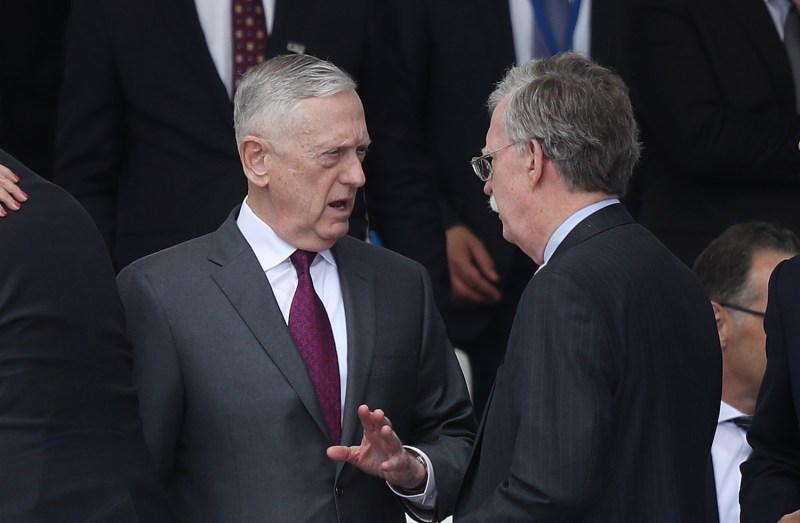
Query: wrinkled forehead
[(335, 120)]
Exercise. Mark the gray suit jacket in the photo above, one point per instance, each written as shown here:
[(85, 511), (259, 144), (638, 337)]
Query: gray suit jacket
[(606, 406), (229, 411)]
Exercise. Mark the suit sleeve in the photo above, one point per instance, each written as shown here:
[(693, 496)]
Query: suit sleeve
[(156, 368), (91, 126), (692, 113), (771, 477), (444, 426), (560, 384)]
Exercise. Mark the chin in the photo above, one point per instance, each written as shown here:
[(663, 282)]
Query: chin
[(508, 235), (336, 231)]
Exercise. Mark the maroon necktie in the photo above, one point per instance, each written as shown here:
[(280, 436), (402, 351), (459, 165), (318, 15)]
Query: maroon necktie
[(249, 37), (311, 329)]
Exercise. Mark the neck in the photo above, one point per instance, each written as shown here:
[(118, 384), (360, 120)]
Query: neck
[(736, 397), (565, 205)]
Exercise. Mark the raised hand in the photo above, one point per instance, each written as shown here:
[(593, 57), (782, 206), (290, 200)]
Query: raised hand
[(381, 453)]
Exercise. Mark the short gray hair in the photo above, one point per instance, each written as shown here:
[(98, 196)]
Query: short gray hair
[(581, 114), (268, 93)]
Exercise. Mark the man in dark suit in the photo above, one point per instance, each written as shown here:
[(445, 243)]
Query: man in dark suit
[(713, 90), (605, 406), (237, 423), (735, 270), (476, 41), (771, 477), (146, 139), (71, 443), (32, 58)]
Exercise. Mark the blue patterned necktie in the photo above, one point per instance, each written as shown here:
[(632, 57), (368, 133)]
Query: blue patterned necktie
[(556, 14)]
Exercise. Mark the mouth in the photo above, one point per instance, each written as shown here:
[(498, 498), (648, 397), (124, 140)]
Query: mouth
[(342, 205)]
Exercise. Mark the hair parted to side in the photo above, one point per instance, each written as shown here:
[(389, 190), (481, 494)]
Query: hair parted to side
[(724, 265), (269, 92), (581, 114)]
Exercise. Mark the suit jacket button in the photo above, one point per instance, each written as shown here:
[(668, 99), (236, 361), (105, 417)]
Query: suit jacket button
[(339, 492)]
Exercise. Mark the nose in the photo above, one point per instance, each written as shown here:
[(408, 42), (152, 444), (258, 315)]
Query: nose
[(353, 173), (487, 187)]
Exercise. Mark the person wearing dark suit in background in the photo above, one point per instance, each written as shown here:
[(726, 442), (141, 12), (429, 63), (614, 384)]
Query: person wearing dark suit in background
[(605, 406), (234, 417), (771, 476), (476, 41), (146, 139), (735, 270), (32, 58), (71, 443), (713, 89)]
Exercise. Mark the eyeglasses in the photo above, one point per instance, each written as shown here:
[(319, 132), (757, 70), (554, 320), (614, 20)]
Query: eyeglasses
[(743, 309), (482, 165)]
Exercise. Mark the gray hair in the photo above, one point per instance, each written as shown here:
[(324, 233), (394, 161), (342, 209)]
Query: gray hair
[(269, 93), (581, 114)]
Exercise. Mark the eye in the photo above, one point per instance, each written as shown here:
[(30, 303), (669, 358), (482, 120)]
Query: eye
[(362, 152)]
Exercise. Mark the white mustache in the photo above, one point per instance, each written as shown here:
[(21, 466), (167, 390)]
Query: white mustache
[(493, 203)]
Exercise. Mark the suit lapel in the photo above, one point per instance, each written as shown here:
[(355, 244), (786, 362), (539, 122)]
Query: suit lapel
[(712, 507), (602, 220), (497, 35), (606, 22), (292, 18), (241, 279), (756, 23), (358, 293), (181, 21)]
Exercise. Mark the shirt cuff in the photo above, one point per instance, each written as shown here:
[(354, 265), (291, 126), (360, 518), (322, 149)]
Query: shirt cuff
[(426, 501)]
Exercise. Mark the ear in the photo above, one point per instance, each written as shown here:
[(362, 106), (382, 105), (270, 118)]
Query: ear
[(723, 324), (253, 152), (535, 160)]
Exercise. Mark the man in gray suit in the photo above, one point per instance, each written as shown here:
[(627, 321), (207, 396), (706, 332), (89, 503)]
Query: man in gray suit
[(606, 404), (236, 419)]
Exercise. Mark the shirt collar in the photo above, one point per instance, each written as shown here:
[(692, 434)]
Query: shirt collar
[(565, 228), (728, 412), (269, 248)]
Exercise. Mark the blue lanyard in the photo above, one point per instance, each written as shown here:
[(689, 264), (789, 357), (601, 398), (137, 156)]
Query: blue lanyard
[(543, 25)]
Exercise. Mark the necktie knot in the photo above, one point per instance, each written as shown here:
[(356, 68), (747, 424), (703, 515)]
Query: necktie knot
[(302, 260), (743, 422)]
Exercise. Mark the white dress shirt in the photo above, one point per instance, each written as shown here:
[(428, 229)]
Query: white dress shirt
[(273, 256), (778, 9), (728, 451), (523, 26), (216, 21)]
